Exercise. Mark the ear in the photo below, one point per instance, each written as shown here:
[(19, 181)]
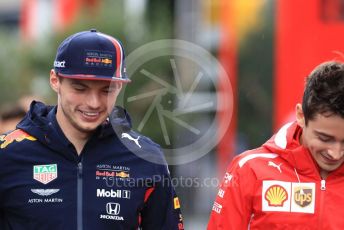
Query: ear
[(54, 81), (300, 118)]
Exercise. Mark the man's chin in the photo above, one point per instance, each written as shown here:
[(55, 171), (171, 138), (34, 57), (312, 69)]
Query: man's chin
[(329, 168), (88, 128)]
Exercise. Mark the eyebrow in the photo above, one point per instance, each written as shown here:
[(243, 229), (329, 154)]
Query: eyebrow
[(78, 82), (323, 134)]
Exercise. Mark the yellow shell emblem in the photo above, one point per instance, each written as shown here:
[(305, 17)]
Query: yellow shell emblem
[(276, 195)]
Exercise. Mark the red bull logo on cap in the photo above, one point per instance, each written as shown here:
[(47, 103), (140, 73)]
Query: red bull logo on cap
[(17, 135), (98, 59)]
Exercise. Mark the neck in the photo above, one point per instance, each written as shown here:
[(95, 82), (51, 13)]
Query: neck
[(323, 174), (75, 136)]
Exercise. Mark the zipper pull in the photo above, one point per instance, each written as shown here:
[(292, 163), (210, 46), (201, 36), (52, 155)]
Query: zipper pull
[(323, 185), (80, 169)]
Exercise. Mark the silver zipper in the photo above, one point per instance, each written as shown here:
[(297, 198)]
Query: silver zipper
[(79, 197), (323, 185)]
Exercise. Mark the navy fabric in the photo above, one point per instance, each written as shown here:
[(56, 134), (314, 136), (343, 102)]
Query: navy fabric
[(91, 55), (45, 184)]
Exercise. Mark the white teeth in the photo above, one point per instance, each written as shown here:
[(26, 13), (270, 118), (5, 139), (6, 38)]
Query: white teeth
[(90, 114)]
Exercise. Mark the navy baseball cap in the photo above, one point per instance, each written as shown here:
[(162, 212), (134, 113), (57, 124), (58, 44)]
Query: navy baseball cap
[(91, 55)]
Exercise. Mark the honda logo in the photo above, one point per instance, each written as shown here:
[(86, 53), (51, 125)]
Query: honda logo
[(113, 208)]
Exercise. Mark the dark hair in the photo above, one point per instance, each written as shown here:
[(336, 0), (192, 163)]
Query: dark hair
[(324, 91), (59, 77)]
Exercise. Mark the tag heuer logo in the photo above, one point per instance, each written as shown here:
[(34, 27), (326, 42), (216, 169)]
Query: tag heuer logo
[(45, 173)]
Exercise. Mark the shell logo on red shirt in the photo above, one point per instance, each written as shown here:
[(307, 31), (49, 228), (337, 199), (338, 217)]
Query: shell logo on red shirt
[(276, 195)]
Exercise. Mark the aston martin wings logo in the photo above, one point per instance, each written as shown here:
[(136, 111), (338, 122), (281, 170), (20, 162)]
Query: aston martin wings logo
[(45, 192)]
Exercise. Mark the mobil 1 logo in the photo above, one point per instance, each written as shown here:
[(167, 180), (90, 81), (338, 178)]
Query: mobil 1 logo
[(125, 194)]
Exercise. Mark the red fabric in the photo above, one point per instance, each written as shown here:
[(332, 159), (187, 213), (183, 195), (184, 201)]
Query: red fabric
[(307, 33), (62, 13), (28, 14), (148, 193), (227, 99), (65, 13), (278, 186), (119, 55)]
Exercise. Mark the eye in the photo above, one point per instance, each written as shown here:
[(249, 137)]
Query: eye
[(78, 87), (324, 138), (110, 90)]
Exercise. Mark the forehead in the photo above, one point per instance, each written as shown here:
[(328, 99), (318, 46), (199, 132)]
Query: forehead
[(88, 83), (332, 125)]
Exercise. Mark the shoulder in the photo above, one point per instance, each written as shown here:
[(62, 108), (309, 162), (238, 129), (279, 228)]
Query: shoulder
[(133, 138), (15, 146), (148, 152), (256, 156), (142, 146), (248, 167), (15, 138), (252, 160)]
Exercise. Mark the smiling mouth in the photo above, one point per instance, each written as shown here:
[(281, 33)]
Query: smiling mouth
[(91, 114), (329, 160)]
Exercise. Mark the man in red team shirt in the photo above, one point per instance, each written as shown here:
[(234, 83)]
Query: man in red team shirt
[(296, 179)]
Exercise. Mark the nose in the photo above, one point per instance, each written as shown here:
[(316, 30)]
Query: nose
[(336, 151), (93, 100)]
